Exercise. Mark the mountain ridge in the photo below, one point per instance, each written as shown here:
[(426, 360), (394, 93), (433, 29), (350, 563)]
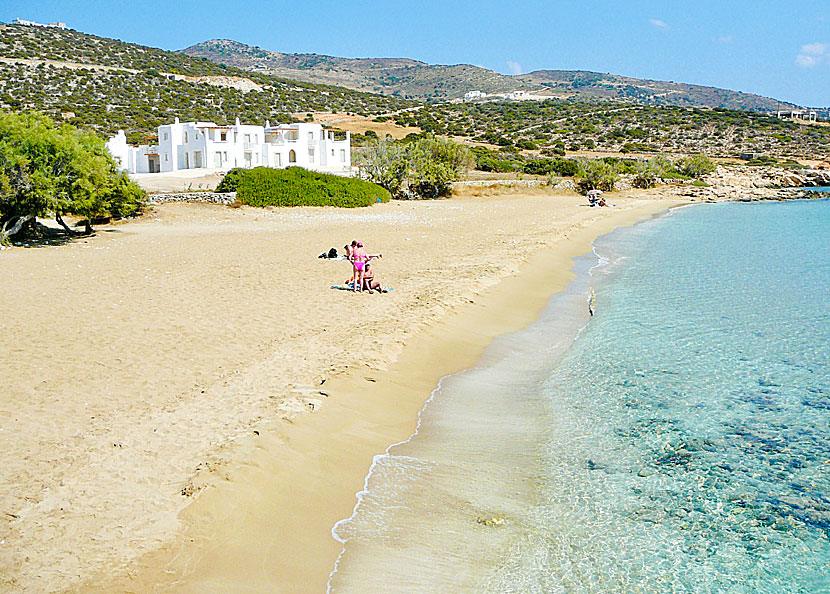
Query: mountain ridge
[(407, 77)]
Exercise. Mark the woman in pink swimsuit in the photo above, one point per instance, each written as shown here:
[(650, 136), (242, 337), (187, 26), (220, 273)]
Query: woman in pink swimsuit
[(359, 258)]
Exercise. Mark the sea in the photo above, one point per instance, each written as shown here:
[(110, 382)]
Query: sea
[(678, 440)]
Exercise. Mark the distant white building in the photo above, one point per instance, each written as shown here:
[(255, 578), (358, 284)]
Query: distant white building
[(473, 95), (34, 24), (205, 145), (798, 115)]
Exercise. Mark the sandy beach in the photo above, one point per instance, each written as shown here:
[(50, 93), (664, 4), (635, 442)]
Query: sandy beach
[(189, 407)]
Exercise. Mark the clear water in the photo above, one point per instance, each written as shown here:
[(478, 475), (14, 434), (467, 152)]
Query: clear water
[(681, 443)]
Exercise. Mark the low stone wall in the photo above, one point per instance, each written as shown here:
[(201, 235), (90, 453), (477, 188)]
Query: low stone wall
[(204, 197)]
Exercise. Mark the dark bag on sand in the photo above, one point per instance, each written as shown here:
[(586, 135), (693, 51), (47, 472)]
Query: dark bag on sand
[(333, 253)]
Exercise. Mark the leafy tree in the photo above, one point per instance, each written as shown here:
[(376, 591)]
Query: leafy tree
[(45, 168), (422, 168), (696, 166), (596, 175)]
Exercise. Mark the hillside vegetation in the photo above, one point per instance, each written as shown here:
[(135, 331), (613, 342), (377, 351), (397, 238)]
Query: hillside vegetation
[(411, 78), (106, 85), (399, 77), (556, 126)]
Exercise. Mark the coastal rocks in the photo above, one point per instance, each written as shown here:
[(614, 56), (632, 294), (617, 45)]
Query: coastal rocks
[(203, 197)]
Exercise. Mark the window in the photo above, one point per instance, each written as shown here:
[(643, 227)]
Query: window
[(343, 155), (166, 136), (185, 136), (278, 160), (292, 157), (211, 134), (311, 155), (223, 136), (165, 155)]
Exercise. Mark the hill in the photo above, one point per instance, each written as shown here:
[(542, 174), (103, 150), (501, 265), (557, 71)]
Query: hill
[(106, 84), (390, 76), (411, 78)]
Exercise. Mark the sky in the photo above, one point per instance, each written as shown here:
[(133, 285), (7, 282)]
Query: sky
[(775, 49)]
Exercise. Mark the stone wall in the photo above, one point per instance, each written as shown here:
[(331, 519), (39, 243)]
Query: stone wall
[(204, 197)]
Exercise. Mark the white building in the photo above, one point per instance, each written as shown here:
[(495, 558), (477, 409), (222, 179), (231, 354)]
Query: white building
[(58, 25), (205, 145), (473, 95)]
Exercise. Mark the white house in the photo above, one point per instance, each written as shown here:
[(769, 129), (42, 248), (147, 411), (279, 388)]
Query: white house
[(25, 23), (205, 145), (473, 95)]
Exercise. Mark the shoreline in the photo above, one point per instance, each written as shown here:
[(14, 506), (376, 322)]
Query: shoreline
[(298, 478)]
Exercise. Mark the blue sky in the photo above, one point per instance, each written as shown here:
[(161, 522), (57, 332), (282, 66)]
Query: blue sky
[(776, 49)]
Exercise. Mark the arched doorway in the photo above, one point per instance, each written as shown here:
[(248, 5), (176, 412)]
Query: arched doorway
[(292, 156)]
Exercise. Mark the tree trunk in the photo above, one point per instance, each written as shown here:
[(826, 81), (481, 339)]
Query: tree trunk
[(10, 229), (60, 221)]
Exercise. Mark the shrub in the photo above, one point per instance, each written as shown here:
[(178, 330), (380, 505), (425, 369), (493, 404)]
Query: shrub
[(538, 166), (696, 166), (296, 186), (565, 167), (596, 175), (230, 182)]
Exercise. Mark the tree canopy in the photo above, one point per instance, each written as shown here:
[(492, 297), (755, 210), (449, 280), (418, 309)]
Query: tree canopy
[(46, 169), (424, 167)]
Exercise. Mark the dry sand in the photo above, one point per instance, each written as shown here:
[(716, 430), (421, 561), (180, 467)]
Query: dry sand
[(173, 360)]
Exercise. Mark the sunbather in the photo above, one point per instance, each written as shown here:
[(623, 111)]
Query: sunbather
[(369, 282)]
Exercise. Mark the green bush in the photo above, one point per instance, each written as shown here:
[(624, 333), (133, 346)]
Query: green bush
[(599, 174), (296, 186), (696, 165), (230, 182)]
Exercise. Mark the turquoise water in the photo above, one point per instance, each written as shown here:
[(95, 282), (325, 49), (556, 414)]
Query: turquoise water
[(680, 443)]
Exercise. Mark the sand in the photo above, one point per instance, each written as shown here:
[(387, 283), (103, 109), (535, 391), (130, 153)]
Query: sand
[(158, 378)]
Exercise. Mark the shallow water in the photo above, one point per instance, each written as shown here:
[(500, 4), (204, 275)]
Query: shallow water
[(681, 443)]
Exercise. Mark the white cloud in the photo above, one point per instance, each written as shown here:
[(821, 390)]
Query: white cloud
[(658, 23), (814, 49), (514, 67), (813, 54)]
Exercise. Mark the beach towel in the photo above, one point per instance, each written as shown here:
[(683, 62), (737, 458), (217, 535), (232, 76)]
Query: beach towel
[(350, 287)]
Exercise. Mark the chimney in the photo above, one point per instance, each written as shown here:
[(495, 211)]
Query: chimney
[(177, 120), (237, 121), (267, 123)]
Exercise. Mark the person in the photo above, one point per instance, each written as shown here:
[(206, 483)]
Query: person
[(359, 260), (347, 249), (369, 282)]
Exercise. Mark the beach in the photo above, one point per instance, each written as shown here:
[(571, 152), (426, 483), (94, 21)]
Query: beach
[(189, 407)]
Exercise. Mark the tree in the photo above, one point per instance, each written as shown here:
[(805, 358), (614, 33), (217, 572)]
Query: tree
[(45, 168), (696, 166), (596, 175), (422, 168)]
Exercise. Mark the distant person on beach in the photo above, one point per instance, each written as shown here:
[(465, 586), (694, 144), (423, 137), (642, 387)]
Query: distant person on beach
[(369, 282), (360, 259)]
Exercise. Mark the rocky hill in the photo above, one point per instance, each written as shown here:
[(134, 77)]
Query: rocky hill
[(391, 76), (106, 85), (410, 78)]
